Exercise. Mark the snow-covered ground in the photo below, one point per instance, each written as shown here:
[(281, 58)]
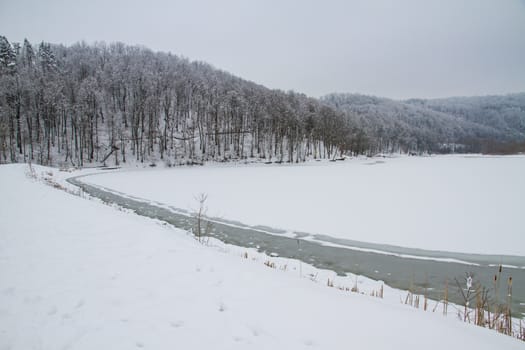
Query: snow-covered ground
[(471, 204), (76, 274)]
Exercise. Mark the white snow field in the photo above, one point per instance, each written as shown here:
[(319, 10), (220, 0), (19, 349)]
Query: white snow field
[(470, 204), (77, 274)]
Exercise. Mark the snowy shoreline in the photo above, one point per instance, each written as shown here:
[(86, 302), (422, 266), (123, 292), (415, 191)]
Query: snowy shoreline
[(94, 276)]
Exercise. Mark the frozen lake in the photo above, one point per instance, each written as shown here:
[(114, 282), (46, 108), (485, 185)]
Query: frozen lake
[(468, 204), (399, 267)]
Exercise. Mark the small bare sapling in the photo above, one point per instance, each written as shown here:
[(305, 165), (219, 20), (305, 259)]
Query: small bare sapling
[(203, 225)]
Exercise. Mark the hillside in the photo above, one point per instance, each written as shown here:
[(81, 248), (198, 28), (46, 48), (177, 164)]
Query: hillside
[(76, 104), (441, 125), (117, 103)]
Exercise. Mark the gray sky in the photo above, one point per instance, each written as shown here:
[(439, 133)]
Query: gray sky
[(392, 48)]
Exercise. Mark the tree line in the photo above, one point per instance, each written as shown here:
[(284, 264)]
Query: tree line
[(82, 104), (77, 105)]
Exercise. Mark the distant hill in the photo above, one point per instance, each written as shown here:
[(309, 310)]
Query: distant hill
[(504, 113), (441, 125)]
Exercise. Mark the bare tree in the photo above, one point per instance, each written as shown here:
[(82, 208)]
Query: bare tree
[(203, 225)]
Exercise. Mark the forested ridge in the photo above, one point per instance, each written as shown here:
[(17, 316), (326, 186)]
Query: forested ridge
[(116, 103), (461, 124)]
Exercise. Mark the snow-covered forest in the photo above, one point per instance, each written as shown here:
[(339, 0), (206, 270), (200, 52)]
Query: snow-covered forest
[(115, 103), (488, 124), (75, 104)]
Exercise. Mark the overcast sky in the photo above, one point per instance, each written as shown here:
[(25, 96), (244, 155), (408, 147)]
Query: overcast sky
[(391, 48)]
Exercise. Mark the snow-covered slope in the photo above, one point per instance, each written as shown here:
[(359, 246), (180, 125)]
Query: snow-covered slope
[(76, 274), (453, 203)]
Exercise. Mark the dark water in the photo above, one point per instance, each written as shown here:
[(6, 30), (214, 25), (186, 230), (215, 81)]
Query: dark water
[(398, 272)]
